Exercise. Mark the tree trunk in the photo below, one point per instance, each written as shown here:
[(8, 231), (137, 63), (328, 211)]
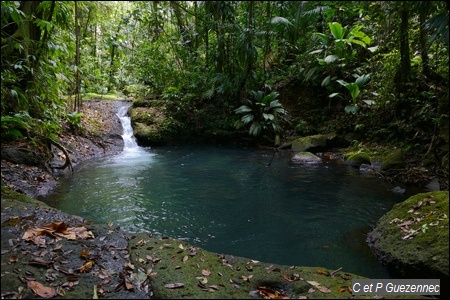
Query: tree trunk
[(403, 73)]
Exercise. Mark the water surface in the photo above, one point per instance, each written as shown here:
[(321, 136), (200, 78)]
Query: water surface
[(236, 201)]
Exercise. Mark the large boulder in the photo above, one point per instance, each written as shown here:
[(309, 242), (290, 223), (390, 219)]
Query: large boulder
[(312, 143), (394, 160), (356, 159), (151, 125), (412, 238)]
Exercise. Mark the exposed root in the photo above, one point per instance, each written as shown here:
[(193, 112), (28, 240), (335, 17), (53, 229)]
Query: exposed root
[(67, 163)]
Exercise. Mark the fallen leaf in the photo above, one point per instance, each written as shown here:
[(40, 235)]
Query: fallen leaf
[(174, 285), (206, 272), (128, 285), (344, 289), (95, 296), (323, 289), (39, 289), (286, 277), (322, 272), (86, 267), (268, 293)]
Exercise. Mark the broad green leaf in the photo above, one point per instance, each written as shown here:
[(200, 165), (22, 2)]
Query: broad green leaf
[(280, 20), (268, 116), (358, 42), (255, 129), (310, 73), (316, 51), (362, 79), (369, 102), (247, 118), (331, 59), (336, 30), (242, 109), (270, 97), (275, 103), (326, 81), (334, 95), (342, 82), (351, 109), (325, 39)]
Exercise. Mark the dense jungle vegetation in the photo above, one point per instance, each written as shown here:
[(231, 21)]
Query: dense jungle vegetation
[(376, 71)]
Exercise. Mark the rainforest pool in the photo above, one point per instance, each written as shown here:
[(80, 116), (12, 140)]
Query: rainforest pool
[(246, 202), (230, 200)]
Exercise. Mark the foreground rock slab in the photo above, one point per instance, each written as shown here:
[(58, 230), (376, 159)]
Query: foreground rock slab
[(102, 261)]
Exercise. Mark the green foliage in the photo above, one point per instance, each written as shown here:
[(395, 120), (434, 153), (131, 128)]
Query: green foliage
[(354, 88), (74, 120), (15, 126), (262, 113)]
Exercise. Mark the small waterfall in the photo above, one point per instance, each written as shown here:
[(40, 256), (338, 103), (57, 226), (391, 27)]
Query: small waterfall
[(128, 137)]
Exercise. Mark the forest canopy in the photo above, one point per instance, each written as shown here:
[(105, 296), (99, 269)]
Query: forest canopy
[(377, 68)]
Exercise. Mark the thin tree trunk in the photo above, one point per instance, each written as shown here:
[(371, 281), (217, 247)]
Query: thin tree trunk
[(77, 103), (404, 71)]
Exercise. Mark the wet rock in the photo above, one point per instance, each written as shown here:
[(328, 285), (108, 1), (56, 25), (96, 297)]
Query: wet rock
[(306, 158)]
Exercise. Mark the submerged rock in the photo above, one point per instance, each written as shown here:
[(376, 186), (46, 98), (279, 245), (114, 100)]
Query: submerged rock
[(306, 158)]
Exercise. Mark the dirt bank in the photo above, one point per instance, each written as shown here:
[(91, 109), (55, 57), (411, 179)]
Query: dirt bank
[(100, 136)]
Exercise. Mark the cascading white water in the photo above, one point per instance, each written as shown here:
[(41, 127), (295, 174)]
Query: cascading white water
[(128, 137)]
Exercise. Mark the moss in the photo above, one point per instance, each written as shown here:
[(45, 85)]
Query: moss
[(94, 96), (357, 159), (394, 160), (10, 196), (427, 244), (207, 275), (307, 142)]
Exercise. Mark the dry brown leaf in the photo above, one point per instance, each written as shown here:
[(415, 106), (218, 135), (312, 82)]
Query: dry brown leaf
[(323, 289), (268, 293), (128, 285), (174, 285), (86, 267), (37, 234), (39, 289), (206, 272)]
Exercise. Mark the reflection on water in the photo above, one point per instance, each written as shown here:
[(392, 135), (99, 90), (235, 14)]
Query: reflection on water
[(227, 200)]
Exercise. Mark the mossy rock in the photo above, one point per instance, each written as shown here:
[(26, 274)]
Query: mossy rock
[(153, 134), (308, 143), (413, 237), (177, 270), (357, 159), (154, 102), (151, 126), (394, 160)]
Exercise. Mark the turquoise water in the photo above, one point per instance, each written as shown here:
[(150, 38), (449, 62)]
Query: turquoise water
[(248, 203), (227, 200)]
